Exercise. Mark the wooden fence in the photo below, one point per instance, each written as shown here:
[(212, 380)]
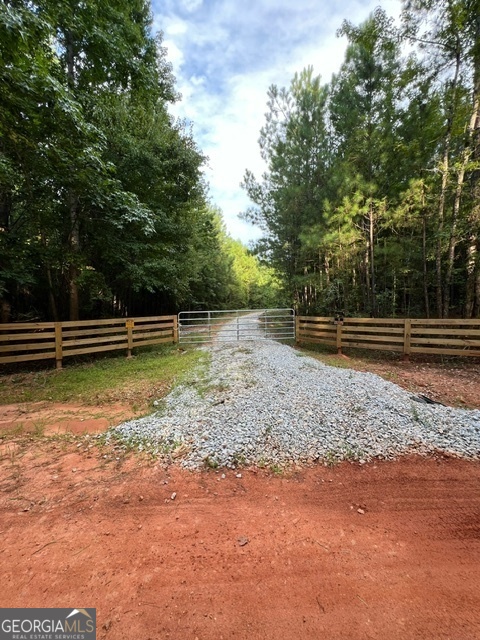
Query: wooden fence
[(22, 342), (444, 337)]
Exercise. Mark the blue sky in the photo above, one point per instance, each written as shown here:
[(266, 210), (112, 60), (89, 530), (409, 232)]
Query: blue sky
[(226, 53)]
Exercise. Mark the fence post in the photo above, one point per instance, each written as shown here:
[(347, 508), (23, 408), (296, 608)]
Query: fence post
[(339, 337), (297, 329), (175, 329), (58, 345), (407, 334), (129, 324)]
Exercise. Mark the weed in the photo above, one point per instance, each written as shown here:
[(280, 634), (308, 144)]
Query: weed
[(357, 408), (330, 459), (159, 406), (276, 469), (239, 459), (415, 414), (38, 430), (17, 430), (351, 454), (210, 463)]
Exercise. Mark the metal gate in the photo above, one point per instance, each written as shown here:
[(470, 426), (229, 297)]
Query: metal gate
[(235, 325)]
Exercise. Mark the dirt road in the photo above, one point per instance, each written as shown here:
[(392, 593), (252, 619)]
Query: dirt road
[(384, 550)]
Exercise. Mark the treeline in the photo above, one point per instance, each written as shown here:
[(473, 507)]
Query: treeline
[(371, 199), (103, 209)]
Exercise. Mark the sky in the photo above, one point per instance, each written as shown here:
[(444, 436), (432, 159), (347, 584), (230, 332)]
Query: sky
[(225, 55)]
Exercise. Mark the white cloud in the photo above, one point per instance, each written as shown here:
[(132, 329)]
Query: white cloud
[(175, 26), (226, 54), (191, 5)]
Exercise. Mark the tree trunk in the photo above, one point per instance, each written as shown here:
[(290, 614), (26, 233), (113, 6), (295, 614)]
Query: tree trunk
[(371, 238), (443, 190), (424, 256), (5, 211), (5, 311), (366, 280), (74, 243), (74, 236), (472, 301), (466, 155), (51, 295), (425, 269)]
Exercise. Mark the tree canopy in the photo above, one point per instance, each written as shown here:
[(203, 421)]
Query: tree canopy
[(103, 207), (370, 203)]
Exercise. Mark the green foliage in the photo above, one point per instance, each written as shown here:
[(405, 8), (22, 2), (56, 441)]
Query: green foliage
[(102, 201), (370, 204), (294, 143)]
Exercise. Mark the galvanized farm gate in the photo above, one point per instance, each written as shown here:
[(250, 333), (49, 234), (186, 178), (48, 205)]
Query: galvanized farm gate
[(236, 325)]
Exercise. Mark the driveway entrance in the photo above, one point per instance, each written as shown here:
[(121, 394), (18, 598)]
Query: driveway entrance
[(236, 325)]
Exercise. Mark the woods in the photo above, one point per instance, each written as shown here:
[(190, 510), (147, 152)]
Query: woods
[(370, 202), (369, 205), (103, 206)]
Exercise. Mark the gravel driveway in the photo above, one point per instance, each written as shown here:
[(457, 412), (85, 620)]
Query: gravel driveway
[(264, 403)]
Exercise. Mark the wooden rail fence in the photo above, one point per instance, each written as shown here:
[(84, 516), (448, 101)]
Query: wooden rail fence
[(407, 336), (25, 341)]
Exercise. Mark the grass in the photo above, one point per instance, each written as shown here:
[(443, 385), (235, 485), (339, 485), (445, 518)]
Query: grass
[(111, 379), (200, 380), (324, 354), (210, 463)]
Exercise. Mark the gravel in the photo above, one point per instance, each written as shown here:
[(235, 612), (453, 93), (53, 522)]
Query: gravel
[(264, 403)]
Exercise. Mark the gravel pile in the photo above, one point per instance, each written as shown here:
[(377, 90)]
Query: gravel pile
[(263, 403)]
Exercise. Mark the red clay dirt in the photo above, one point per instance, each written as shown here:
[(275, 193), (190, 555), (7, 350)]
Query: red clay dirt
[(382, 551), (51, 418)]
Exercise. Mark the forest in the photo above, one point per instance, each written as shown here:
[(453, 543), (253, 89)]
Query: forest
[(103, 206), (369, 204)]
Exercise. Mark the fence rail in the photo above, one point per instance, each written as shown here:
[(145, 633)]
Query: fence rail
[(444, 337), (26, 341)]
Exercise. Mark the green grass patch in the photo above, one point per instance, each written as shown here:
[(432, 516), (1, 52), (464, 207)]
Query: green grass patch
[(111, 379)]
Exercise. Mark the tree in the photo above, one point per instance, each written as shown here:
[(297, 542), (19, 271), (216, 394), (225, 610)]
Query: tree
[(448, 34), (294, 145), (379, 219), (364, 112), (102, 201)]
